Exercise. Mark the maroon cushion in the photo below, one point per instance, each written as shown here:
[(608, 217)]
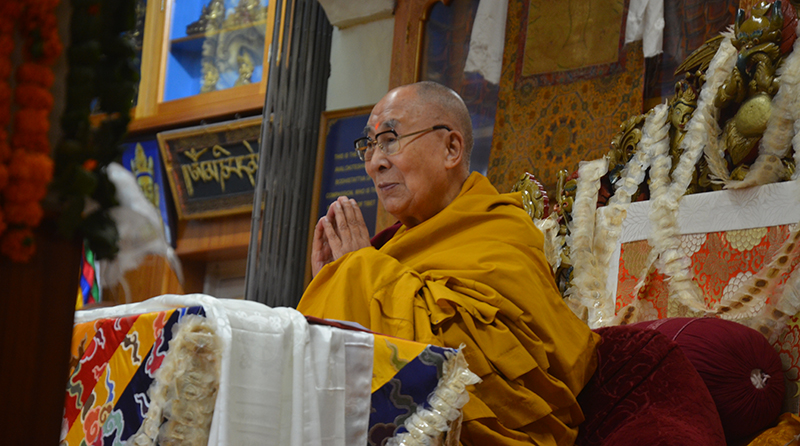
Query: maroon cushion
[(645, 391), (740, 368)]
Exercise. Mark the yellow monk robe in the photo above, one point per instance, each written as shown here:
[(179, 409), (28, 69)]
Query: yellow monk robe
[(475, 274)]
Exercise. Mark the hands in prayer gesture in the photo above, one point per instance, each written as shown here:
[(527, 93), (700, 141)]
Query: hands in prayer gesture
[(340, 231)]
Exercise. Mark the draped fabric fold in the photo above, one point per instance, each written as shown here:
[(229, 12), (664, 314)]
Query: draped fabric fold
[(474, 274)]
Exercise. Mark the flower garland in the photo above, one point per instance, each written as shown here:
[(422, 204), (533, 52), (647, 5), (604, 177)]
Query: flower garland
[(25, 165), (100, 68)]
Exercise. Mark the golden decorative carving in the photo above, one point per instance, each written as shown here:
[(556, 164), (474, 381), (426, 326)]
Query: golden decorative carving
[(534, 198), (565, 197), (681, 108), (142, 168), (623, 146), (245, 69), (752, 82), (210, 77), (245, 13)]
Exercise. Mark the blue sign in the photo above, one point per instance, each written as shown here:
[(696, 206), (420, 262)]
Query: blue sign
[(343, 172)]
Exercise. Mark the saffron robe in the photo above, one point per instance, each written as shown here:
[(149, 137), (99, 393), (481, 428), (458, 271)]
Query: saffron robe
[(474, 275)]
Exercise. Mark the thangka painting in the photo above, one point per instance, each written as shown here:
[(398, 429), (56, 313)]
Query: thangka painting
[(568, 81), (143, 159)]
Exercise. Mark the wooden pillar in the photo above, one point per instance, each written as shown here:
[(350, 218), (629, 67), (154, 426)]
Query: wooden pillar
[(36, 318)]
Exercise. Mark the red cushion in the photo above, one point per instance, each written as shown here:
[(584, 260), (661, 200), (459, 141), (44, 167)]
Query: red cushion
[(741, 370), (645, 391)]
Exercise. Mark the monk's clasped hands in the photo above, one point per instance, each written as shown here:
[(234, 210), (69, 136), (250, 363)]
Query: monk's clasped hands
[(342, 230)]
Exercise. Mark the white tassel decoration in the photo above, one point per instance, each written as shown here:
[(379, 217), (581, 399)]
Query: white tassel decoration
[(702, 127), (586, 289)]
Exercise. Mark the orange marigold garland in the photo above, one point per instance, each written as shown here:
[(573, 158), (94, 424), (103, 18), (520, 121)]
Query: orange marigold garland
[(25, 166), (18, 244)]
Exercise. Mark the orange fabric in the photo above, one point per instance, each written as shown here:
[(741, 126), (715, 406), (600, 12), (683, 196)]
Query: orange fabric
[(474, 274), (787, 429)]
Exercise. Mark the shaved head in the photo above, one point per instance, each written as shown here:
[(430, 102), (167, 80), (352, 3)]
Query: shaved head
[(433, 94)]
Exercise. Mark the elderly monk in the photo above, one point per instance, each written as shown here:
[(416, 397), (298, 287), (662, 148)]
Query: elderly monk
[(465, 267)]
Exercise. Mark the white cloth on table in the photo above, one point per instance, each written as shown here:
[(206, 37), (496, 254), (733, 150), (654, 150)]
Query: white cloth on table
[(282, 381)]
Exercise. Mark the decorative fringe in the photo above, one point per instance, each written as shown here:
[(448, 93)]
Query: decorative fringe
[(184, 391), (659, 187), (753, 294), (777, 139), (655, 141), (655, 130), (428, 424), (717, 166), (586, 288), (702, 130)]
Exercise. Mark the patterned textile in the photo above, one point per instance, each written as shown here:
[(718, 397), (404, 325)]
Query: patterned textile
[(114, 360), (403, 372), (113, 364), (548, 121), (721, 262)]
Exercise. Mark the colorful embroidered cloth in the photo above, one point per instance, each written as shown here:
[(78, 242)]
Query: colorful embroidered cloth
[(115, 358), (113, 364)]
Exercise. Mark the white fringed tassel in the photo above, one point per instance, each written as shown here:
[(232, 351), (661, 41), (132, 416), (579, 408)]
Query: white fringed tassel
[(703, 124), (553, 242), (654, 133), (585, 288), (659, 188), (777, 140), (701, 129), (796, 145)]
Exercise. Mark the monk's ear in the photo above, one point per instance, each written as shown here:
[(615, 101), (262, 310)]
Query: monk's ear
[(454, 150)]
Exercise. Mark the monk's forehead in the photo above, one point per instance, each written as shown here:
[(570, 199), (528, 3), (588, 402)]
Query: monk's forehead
[(399, 107)]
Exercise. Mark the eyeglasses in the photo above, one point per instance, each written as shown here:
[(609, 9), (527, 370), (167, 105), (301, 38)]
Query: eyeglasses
[(388, 142)]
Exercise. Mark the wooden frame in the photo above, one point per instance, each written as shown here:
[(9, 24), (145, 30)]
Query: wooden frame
[(329, 119), (153, 112), (410, 19), (409, 32), (230, 154)]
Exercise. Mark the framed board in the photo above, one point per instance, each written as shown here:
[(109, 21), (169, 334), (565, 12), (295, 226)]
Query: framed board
[(339, 171), (212, 169)]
